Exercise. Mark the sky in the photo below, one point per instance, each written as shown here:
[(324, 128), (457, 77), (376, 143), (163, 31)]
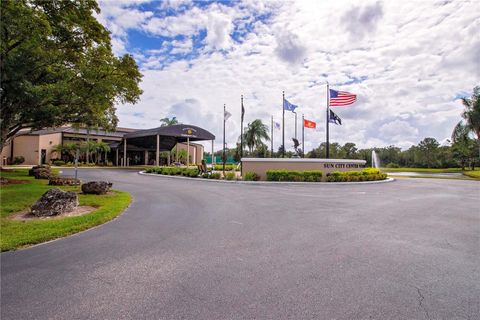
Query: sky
[(409, 63)]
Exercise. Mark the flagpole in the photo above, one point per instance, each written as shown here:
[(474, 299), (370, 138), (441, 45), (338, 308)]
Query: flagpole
[(283, 124), (328, 116), (271, 140), (224, 109), (303, 136), (241, 134)]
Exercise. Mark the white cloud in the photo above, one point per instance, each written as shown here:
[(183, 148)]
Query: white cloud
[(408, 61)]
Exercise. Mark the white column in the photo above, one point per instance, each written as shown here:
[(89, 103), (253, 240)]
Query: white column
[(188, 151), (125, 162), (213, 156), (116, 157), (146, 157), (194, 154), (157, 154)]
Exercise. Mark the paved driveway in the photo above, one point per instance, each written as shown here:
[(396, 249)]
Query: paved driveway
[(185, 249)]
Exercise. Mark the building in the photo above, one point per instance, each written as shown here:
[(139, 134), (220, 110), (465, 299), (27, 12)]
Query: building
[(142, 147)]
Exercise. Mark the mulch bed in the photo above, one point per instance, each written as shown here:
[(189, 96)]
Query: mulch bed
[(6, 181)]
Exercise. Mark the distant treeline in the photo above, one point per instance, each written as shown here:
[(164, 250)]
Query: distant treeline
[(427, 154)]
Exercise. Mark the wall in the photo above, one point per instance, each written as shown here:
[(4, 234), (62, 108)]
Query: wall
[(196, 150), (261, 165), (48, 142), (5, 154), (28, 147)]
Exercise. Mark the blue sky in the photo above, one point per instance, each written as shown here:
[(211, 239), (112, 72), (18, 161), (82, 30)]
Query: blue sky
[(408, 62)]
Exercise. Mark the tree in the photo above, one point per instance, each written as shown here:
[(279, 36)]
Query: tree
[(428, 148), (463, 147), (57, 67), (471, 113), (350, 150), (254, 134), (168, 122)]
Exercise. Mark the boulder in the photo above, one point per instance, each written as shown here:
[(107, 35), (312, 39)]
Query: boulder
[(40, 172), (55, 202), (63, 181), (96, 187)]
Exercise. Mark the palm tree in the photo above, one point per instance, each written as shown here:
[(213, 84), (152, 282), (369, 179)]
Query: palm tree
[(472, 111), (66, 148), (168, 122), (471, 115), (104, 148), (254, 134)]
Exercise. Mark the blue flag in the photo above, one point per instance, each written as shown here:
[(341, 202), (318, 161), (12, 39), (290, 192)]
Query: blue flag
[(288, 106)]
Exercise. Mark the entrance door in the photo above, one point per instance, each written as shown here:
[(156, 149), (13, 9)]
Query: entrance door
[(44, 156)]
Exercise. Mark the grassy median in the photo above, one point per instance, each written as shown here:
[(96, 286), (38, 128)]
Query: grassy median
[(15, 234)]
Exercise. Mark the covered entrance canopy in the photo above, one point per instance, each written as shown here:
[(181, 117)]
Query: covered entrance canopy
[(165, 138)]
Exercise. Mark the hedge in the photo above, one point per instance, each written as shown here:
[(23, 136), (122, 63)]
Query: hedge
[(369, 174), (251, 176), (174, 171), (228, 167), (294, 175)]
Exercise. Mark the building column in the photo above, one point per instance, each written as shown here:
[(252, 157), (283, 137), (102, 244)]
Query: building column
[(194, 154), (125, 163), (188, 151), (146, 157), (176, 153), (157, 155), (213, 156), (116, 157)]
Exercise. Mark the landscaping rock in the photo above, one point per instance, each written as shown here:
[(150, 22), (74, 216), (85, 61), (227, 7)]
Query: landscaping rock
[(96, 187), (55, 202), (40, 172), (63, 181)]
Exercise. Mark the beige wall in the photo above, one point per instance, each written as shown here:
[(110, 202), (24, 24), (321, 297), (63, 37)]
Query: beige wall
[(30, 146), (48, 142), (260, 166), (5, 154), (196, 152), (27, 146)]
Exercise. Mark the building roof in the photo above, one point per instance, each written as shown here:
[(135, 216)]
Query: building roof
[(119, 132), (179, 131), (169, 136)]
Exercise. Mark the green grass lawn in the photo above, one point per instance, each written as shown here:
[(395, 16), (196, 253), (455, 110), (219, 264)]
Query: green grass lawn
[(474, 174), (14, 198), (422, 170)]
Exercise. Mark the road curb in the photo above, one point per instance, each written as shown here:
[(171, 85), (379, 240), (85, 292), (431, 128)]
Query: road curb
[(265, 182)]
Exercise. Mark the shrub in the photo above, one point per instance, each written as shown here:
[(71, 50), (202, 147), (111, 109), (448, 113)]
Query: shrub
[(58, 163), (18, 160), (230, 175), (205, 175), (285, 175), (215, 175), (369, 174), (251, 176), (228, 167), (312, 175), (192, 173)]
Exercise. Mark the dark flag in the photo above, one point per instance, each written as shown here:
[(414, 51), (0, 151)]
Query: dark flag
[(333, 118), (243, 110)]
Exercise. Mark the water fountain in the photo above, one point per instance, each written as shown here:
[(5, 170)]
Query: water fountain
[(375, 160)]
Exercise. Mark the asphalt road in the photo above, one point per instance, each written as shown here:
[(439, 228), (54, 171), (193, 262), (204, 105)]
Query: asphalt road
[(186, 249)]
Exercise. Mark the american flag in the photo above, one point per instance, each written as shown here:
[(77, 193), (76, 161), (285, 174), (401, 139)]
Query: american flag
[(341, 98)]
